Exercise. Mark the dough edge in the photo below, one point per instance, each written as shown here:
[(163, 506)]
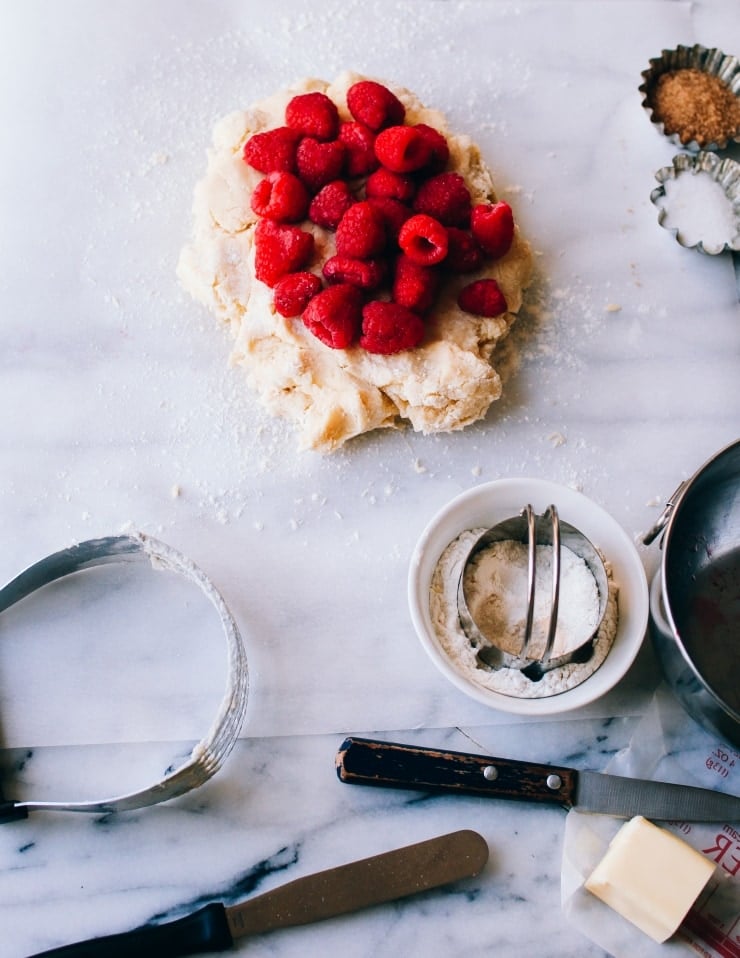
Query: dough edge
[(443, 385)]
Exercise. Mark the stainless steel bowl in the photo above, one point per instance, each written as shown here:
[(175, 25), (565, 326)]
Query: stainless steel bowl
[(695, 595)]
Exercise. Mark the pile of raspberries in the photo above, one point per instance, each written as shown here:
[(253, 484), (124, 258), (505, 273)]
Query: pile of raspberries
[(395, 239)]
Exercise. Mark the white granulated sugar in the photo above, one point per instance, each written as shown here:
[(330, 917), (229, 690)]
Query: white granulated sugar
[(463, 654), (699, 209)]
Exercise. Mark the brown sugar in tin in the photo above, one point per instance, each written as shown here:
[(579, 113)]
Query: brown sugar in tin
[(696, 106), (692, 95)]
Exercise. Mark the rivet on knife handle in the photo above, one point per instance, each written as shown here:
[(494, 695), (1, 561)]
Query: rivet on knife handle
[(371, 762)]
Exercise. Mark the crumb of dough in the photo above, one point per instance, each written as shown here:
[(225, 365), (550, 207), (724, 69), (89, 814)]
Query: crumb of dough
[(333, 395)]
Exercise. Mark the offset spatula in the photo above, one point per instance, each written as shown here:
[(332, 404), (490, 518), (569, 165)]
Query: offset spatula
[(370, 762), (336, 891)]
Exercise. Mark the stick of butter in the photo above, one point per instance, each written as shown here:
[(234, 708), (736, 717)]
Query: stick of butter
[(650, 877)]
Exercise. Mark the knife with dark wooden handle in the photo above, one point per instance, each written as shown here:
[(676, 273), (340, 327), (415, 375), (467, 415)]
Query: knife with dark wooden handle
[(371, 762), (336, 891)]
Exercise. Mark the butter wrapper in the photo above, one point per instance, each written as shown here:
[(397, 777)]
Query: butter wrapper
[(710, 927)]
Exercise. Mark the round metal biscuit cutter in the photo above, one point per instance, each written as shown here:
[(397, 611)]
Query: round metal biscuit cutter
[(208, 755), (533, 530)]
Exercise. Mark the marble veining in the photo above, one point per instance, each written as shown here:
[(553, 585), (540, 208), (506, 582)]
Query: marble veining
[(118, 412)]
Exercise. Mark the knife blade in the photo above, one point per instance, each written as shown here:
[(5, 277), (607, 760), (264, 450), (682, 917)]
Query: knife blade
[(371, 762), (335, 891)]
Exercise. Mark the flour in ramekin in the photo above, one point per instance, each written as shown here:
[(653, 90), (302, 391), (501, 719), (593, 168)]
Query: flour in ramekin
[(496, 588), (463, 654)]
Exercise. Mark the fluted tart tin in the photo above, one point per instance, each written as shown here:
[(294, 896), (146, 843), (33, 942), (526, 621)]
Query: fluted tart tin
[(692, 96), (699, 201)]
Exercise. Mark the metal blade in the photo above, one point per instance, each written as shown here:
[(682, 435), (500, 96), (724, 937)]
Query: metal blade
[(359, 884), (626, 797)]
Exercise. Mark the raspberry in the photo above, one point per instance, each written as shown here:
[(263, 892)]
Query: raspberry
[(359, 141), (446, 198), (335, 315), (361, 232), (330, 204), (319, 163), (389, 328), (374, 105), (414, 286), (279, 250), (463, 253), (272, 150), (394, 214), (365, 273), (280, 196), (483, 297), (440, 151), (387, 184), (492, 224), (402, 149), (423, 239), (293, 292), (313, 114)]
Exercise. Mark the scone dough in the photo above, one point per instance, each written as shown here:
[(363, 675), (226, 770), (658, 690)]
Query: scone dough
[(333, 395)]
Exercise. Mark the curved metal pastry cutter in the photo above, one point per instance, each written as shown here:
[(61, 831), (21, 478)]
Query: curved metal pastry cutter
[(208, 755), (533, 530)]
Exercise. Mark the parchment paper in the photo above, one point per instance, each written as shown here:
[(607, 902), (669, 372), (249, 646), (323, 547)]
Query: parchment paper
[(669, 746)]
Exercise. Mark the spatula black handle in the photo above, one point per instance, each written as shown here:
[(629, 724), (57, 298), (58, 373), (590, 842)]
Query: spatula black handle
[(204, 930)]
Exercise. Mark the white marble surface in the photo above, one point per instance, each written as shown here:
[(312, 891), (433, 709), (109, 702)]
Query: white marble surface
[(115, 389)]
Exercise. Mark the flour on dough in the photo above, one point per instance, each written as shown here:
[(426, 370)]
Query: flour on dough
[(446, 383)]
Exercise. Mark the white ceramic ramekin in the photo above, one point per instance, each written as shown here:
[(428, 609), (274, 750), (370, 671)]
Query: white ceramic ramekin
[(483, 506)]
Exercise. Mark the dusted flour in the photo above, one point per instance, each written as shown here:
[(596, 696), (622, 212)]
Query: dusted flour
[(333, 395), (463, 653)]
